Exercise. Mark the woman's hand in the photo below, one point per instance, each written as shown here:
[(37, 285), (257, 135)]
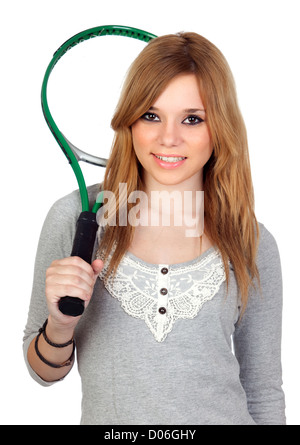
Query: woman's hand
[(72, 277)]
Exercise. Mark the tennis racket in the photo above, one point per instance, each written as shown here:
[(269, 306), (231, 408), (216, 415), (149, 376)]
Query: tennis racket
[(87, 225)]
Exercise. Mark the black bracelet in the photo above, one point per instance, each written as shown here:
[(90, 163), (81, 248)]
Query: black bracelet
[(55, 345), (53, 365)]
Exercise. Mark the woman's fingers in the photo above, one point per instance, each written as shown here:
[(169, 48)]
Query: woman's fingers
[(72, 277)]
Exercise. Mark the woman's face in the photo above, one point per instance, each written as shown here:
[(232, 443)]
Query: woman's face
[(171, 140)]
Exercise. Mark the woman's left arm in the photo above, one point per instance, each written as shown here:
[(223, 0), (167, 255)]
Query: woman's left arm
[(257, 339)]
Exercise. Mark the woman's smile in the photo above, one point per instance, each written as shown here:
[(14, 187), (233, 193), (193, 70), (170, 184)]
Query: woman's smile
[(169, 161)]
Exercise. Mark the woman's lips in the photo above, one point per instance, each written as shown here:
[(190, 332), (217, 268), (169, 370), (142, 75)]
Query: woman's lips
[(170, 161)]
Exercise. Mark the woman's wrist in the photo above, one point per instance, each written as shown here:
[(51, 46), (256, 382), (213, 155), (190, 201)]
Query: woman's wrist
[(57, 332), (51, 355)]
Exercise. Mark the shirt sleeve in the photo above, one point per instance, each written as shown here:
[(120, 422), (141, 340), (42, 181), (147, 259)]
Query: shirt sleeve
[(257, 339), (55, 242)]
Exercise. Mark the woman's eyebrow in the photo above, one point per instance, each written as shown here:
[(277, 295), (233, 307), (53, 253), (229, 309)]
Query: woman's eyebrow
[(187, 110), (194, 110)]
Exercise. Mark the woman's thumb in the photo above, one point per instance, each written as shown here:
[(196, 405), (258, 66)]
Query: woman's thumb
[(97, 266)]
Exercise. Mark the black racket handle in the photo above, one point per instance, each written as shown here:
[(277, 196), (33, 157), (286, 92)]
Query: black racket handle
[(83, 246)]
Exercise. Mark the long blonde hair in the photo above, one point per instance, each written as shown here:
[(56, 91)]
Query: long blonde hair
[(229, 199)]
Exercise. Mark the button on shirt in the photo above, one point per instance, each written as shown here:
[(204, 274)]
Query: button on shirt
[(162, 293)]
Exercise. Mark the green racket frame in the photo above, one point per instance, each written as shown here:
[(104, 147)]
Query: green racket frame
[(87, 225), (73, 154)]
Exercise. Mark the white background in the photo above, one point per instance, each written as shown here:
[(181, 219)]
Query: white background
[(259, 38)]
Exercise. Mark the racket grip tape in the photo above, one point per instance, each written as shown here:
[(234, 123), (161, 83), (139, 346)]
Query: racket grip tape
[(83, 247)]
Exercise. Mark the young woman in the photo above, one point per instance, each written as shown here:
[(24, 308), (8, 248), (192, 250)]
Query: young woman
[(164, 305)]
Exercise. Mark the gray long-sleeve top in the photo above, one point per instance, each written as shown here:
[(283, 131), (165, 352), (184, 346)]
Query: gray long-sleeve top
[(180, 357)]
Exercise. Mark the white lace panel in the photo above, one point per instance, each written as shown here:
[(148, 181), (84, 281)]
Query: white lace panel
[(161, 294)]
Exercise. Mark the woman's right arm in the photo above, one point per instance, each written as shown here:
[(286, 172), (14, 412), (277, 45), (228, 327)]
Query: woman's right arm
[(50, 282), (70, 276)]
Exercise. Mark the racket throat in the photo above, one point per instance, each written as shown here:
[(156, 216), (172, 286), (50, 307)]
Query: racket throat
[(86, 157)]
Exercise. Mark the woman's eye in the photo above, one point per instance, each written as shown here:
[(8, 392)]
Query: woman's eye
[(150, 117), (193, 120)]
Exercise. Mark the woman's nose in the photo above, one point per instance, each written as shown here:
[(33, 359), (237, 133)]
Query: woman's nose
[(169, 134)]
